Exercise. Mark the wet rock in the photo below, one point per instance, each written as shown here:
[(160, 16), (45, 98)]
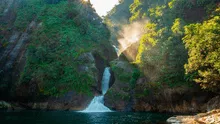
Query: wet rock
[(70, 101), (5, 105), (100, 65), (18, 107), (118, 96), (10, 106), (173, 120), (42, 105)]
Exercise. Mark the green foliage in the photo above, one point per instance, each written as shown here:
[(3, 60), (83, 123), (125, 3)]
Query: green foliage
[(118, 17), (121, 72), (3, 5), (156, 12), (115, 95), (136, 10), (161, 54), (65, 34), (144, 93), (184, 7), (177, 27), (203, 44), (126, 72), (139, 8), (27, 11), (147, 41), (120, 13), (135, 76), (181, 4)]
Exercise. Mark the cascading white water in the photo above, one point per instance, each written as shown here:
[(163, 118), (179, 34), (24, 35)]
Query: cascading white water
[(116, 50), (97, 104), (105, 80)]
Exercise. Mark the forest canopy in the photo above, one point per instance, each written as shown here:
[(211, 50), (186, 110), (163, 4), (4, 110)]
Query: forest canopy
[(180, 44), (203, 44)]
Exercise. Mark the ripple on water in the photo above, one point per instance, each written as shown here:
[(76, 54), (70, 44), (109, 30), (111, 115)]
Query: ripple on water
[(68, 117)]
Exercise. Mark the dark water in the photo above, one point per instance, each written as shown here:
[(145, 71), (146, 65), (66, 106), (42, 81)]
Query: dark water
[(66, 117)]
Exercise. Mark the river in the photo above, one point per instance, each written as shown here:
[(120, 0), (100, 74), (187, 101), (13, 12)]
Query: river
[(70, 117)]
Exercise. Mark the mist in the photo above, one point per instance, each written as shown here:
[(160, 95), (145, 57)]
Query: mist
[(129, 38)]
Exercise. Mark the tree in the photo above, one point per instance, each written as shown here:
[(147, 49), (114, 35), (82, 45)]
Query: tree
[(203, 44), (177, 27)]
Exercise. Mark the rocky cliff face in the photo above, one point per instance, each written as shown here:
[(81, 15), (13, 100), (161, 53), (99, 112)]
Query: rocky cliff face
[(203, 118), (15, 42), (120, 96), (12, 47), (69, 101), (163, 87), (146, 96), (175, 100), (92, 52)]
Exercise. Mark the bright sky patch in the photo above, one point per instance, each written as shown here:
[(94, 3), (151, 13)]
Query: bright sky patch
[(103, 6)]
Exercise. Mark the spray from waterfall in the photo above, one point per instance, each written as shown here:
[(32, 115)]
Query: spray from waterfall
[(97, 104), (129, 35)]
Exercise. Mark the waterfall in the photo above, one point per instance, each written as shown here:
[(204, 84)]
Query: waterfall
[(105, 80), (97, 104), (116, 50)]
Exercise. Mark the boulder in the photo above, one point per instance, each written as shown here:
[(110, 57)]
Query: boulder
[(118, 96), (10, 106), (5, 105), (181, 120), (69, 101), (212, 117), (214, 103)]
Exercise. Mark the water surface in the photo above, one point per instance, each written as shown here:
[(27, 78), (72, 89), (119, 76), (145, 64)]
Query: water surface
[(68, 117)]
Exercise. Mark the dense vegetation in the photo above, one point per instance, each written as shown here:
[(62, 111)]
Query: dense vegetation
[(64, 36), (55, 52), (203, 43), (65, 30), (118, 17), (179, 46)]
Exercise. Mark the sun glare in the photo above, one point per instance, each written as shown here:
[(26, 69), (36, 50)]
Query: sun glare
[(102, 7)]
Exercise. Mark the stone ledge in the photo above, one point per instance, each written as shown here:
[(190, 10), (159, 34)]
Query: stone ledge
[(212, 117)]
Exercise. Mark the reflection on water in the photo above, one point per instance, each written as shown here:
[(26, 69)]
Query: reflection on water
[(65, 117)]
